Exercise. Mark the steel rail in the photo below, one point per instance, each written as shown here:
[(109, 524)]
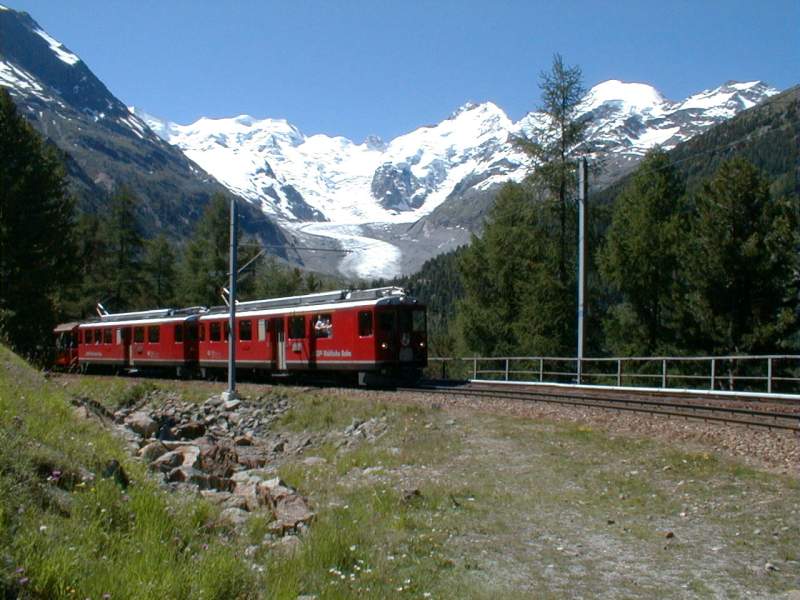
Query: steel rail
[(763, 418), (649, 401)]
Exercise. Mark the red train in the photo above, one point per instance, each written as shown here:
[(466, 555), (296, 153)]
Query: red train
[(371, 333)]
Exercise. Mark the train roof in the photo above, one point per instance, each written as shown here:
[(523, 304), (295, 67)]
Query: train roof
[(146, 316), (319, 301), (307, 302)]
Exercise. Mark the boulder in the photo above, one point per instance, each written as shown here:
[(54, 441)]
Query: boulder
[(182, 456), (152, 451), (188, 475), (142, 424), (290, 512), (191, 430), (234, 516)]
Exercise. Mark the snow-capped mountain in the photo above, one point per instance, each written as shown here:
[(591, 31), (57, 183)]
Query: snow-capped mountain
[(392, 204), (359, 193), (315, 178), (105, 145), (322, 178)]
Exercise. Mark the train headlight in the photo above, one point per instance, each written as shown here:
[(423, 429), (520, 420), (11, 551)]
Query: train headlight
[(384, 345), (422, 344)]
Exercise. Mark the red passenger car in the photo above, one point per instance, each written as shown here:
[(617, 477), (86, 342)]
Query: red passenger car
[(372, 333), (376, 332), (163, 338)]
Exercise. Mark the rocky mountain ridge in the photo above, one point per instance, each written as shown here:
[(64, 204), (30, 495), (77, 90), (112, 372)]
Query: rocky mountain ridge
[(104, 144), (394, 204)]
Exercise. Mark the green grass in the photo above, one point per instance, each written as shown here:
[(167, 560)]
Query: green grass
[(66, 535), (507, 508)]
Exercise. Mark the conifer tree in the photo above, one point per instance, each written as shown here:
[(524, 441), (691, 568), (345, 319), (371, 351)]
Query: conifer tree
[(639, 261), (159, 273), (37, 245), (555, 146), (206, 258), (513, 299), (205, 262), (741, 265), (124, 252)]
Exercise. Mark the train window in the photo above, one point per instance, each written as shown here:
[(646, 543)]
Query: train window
[(262, 330), (153, 334), (386, 322), (365, 323), (138, 334), (179, 333), (107, 336), (119, 335), (323, 326), (201, 332), (404, 321), (420, 321), (191, 332), (215, 331), (246, 330), (98, 336), (80, 336), (227, 331), (297, 328)]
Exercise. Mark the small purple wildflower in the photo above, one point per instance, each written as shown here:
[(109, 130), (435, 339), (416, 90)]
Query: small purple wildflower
[(106, 596), (23, 581), (20, 570)]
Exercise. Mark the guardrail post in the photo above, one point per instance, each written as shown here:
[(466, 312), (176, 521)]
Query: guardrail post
[(541, 370), (578, 366), (619, 372), (444, 368), (769, 375), (474, 368), (664, 373), (713, 372), (506, 369)]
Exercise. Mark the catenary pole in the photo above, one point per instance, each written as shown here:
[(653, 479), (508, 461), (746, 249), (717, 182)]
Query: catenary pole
[(231, 393), (582, 256)]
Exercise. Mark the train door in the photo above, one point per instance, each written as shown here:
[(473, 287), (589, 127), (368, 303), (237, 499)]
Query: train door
[(280, 344), (124, 337)]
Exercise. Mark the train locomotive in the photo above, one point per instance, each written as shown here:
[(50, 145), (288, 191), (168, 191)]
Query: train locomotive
[(375, 335)]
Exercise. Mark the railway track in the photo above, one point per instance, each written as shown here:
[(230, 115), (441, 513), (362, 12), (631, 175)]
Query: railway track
[(715, 409)]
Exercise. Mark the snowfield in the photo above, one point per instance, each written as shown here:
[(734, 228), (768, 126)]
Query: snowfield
[(330, 186)]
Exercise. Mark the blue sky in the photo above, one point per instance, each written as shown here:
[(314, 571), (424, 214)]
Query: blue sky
[(354, 68)]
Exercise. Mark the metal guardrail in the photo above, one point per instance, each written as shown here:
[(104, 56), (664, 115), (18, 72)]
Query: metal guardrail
[(769, 374)]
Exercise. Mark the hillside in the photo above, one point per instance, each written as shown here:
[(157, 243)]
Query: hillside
[(768, 135), (415, 497), (104, 145)]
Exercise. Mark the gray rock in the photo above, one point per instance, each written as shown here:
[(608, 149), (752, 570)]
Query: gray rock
[(190, 430), (142, 424), (290, 512), (234, 516), (152, 451), (231, 405)]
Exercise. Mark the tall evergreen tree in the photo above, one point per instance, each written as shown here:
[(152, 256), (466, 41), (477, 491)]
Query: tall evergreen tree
[(159, 272), (555, 146), (124, 252), (37, 245), (206, 257), (639, 261), (513, 299), (741, 264)]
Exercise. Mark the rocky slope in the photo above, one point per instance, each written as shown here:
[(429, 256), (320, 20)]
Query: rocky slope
[(400, 202), (105, 145)]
